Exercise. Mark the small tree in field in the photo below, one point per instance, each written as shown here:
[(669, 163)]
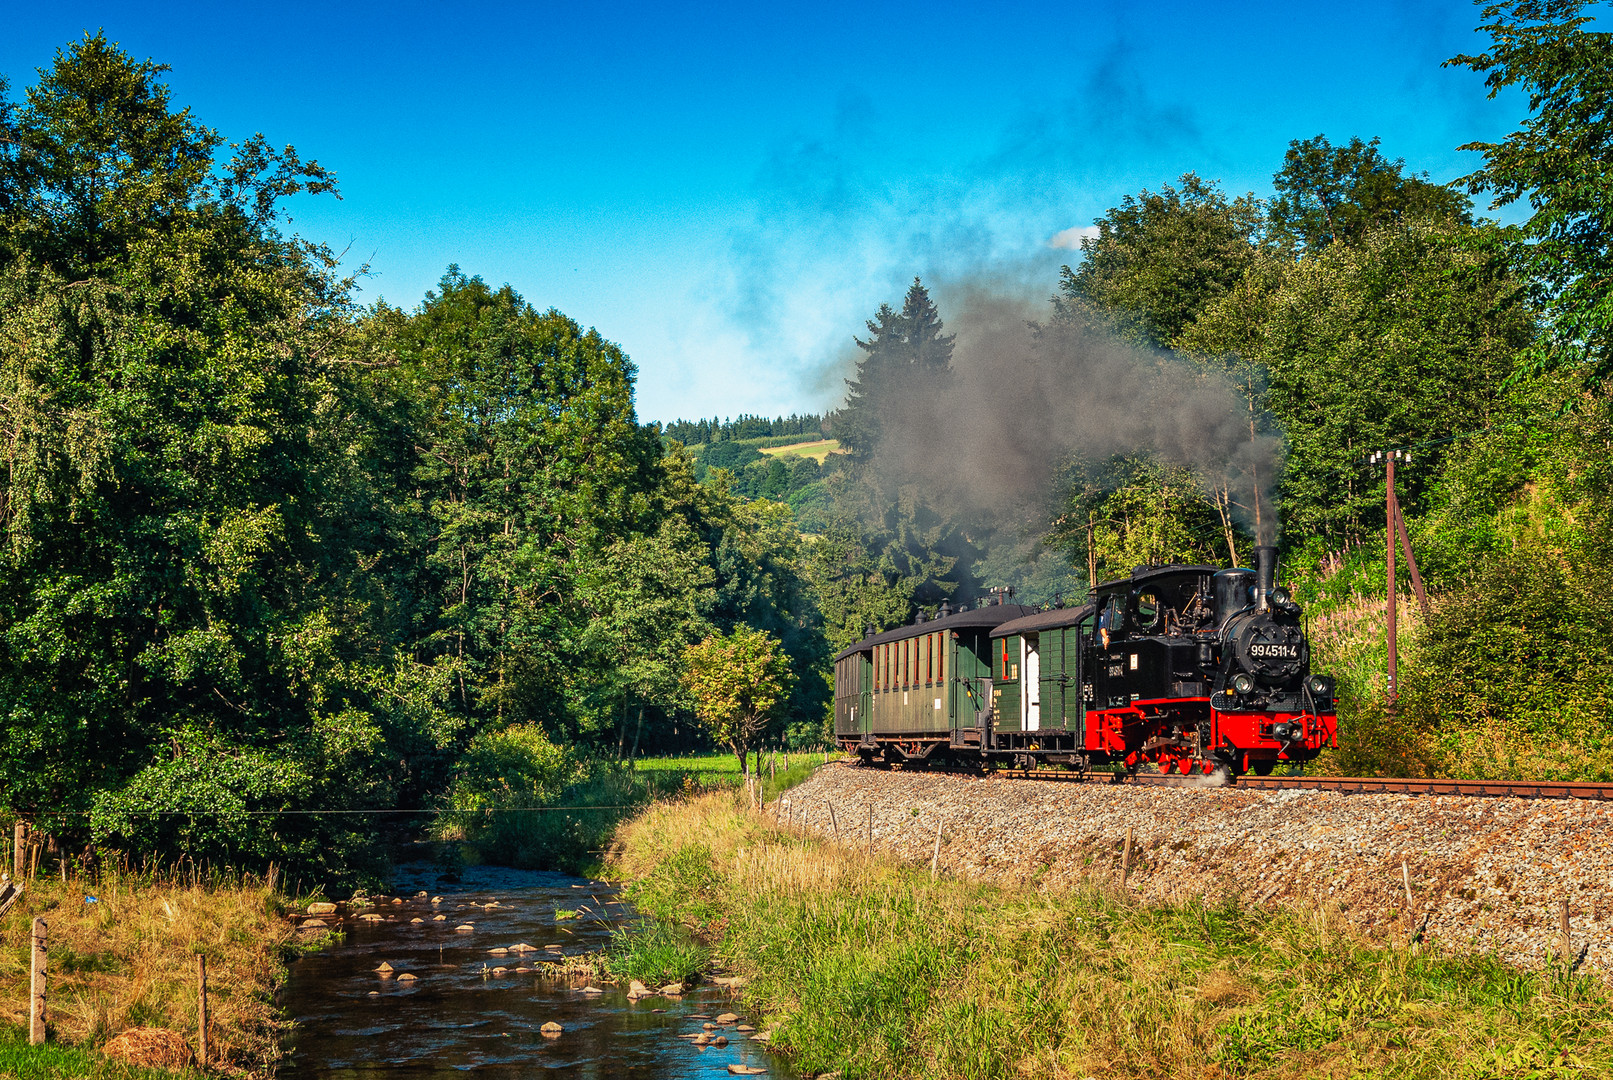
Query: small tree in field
[(738, 682)]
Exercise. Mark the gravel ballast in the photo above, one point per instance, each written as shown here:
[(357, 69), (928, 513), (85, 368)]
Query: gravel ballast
[(1486, 873)]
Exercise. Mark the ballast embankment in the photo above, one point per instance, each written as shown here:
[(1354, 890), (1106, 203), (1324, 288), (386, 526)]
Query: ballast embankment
[(1485, 874)]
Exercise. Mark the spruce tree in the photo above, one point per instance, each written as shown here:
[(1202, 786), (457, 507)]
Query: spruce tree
[(907, 358)]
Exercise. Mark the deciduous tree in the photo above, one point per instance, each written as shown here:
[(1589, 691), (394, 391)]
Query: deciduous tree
[(739, 681)]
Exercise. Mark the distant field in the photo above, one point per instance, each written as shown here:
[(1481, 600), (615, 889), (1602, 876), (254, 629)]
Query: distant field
[(817, 450), (709, 769), (667, 775)]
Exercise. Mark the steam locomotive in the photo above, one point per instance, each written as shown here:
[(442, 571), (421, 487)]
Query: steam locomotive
[(1192, 670)]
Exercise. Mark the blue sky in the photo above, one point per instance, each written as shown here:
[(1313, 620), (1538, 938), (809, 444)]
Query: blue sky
[(729, 190)]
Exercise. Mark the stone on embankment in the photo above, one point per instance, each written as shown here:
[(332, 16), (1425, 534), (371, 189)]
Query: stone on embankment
[(720, 1041), (323, 907), (591, 990), (727, 1018), (746, 1070), (551, 1030), (406, 977), (384, 970)]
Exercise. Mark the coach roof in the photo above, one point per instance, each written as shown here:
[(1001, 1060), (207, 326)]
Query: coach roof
[(1045, 620), (974, 618)]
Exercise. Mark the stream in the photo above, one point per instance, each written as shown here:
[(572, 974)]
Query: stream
[(456, 1015)]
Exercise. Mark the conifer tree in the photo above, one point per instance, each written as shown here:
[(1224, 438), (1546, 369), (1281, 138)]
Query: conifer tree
[(907, 359)]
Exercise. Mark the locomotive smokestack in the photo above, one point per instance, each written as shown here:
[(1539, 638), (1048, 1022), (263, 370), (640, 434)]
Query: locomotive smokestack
[(1265, 575)]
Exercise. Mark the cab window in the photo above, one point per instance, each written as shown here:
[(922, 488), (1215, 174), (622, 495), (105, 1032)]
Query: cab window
[(1147, 611)]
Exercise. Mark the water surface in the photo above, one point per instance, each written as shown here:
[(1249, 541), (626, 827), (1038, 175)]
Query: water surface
[(457, 1016)]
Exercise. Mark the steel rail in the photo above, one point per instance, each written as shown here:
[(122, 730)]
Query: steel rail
[(1348, 785)]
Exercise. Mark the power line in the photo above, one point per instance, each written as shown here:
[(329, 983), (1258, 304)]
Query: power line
[(289, 813)]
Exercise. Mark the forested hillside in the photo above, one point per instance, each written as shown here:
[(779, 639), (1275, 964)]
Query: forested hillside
[(270, 550)]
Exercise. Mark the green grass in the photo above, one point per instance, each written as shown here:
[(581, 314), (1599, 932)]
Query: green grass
[(871, 968), (667, 774), (655, 953), (48, 1062)]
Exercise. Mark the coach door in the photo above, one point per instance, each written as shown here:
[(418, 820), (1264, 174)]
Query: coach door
[(1030, 683)]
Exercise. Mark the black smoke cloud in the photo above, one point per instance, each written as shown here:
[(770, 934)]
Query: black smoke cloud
[(1024, 398)]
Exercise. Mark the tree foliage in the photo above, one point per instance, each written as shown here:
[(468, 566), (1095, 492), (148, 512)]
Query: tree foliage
[(739, 681), (1160, 258), (174, 502), (1330, 194), (1555, 162)]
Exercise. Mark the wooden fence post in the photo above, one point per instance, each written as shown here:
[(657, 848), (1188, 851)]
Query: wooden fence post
[(201, 1010), (1125, 858), (935, 856), (36, 984), (1567, 942), (1405, 877), (833, 824), (19, 851), (870, 828)]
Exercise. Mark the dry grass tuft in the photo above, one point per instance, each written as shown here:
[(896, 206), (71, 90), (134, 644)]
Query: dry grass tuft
[(150, 1048), (122, 957)]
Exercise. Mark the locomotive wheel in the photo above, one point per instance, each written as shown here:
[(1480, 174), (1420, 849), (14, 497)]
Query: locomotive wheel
[(1262, 767)]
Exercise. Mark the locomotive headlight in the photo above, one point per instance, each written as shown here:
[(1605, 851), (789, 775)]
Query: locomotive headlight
[(1320, 686), (1243, 684), (1279, 595)]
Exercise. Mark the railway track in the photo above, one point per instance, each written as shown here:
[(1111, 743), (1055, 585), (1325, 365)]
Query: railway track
[(1350, 785)]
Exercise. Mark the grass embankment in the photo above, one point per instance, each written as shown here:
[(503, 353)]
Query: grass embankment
[(871, 968), (128, 959)]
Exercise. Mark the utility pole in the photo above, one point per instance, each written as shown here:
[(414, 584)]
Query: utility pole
[(1390, 533), (1396, 536)]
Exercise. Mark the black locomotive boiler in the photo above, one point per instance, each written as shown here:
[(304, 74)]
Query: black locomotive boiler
[(1183, 669)]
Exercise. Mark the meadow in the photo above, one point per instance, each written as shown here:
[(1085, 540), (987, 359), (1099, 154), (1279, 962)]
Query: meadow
[(122, 953)]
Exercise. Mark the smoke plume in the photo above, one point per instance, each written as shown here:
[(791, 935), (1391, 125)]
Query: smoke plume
[(1024, 399)]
